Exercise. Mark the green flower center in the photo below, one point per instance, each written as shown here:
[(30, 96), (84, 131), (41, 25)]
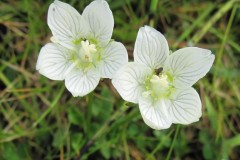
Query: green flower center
[(158, 86), (86, 54)]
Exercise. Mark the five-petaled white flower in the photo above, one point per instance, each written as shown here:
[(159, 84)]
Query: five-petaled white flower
[(162, 83), (82, 51)]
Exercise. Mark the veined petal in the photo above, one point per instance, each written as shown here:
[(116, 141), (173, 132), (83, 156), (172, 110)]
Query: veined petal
[(113, 57), (100, 20), (53, 61), (155, 113), (80, 82), (151, 48), (129, 81), (188, 65), (185, 106), (65, 23)]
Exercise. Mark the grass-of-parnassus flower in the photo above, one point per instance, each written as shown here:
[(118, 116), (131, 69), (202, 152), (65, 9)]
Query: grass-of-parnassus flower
[(161, 83), (81, 51)]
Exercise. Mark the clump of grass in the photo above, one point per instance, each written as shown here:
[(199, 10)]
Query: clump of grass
[(39, 119)]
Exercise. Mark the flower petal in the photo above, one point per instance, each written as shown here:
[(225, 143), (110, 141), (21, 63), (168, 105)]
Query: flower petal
[(155, 113), (53, 61), (80, 82), (151, 48), (113, 57), (100, 19), (188, 65), (185, 106), (129, 81), (65, 23)]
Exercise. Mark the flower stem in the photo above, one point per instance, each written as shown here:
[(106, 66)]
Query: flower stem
[(50, 108), (173, 143)]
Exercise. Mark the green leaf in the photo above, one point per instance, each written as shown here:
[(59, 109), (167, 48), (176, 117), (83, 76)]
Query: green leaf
[(60, 137), (13, 152), (75, 116), (77, 141), (106, 152)]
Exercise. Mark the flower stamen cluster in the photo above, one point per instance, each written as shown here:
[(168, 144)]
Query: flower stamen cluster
[(158, 86)]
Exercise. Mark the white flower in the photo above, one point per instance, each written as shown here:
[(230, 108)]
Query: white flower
[(82, 51), (166, 97)]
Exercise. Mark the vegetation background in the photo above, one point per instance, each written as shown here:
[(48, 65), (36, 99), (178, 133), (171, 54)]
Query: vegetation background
[(40, 120)]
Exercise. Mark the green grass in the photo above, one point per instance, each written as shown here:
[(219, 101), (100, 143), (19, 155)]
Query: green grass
[(39, 119)]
